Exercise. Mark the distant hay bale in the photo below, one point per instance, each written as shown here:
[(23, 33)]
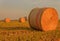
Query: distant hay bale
[(22, 19), (7, 20), (43, 18)]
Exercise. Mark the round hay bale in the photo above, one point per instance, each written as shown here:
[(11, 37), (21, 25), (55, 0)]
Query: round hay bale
[(22, 19), (43, 18), (7, 20)]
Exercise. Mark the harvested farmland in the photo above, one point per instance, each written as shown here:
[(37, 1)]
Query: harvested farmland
[(41, 26), (28, 34), (14, 23)]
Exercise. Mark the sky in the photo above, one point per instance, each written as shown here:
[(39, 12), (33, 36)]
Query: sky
[(15, 9)]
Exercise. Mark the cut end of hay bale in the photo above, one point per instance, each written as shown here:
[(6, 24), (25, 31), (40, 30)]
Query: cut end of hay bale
[(23, 19), (49, 19), (7, 20)]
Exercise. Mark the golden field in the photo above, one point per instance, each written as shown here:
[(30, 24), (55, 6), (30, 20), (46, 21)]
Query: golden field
[(17, 31), (58, 27), (14, 23)]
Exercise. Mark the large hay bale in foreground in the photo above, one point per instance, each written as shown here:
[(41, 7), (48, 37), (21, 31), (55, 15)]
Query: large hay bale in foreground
[(43, 18)]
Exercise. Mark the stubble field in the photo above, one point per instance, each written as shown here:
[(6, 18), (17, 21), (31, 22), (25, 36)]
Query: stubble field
[(17, 31)]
